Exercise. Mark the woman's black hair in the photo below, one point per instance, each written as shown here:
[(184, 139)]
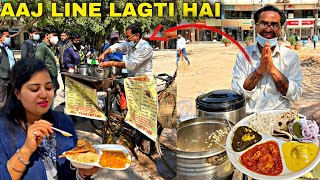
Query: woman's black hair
[(283, 17), (21, 72)]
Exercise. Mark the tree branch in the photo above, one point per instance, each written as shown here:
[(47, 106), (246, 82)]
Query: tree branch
[(3, 22), (25, 27)]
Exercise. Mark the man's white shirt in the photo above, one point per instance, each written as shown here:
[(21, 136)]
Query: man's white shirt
[(265, 96), (139, 60), (181, 43)]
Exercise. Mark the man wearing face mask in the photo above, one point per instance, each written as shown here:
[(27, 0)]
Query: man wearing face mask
[(45, 52), (139, 53), (274, 78), (71, 55), (7, 61), (28, 47)]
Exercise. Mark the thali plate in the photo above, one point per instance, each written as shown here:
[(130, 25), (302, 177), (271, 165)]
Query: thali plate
[(99, 148), (286, 173)]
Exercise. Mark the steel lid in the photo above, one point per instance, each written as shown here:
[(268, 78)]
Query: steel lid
[(220, 101)]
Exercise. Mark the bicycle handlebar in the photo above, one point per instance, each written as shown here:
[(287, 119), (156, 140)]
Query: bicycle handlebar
[(166, 77)]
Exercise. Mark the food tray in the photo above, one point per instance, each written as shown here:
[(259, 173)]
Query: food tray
[(286, 173), (99, 148)]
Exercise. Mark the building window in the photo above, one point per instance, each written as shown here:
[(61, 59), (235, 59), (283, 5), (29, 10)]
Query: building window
[(307, 14), (238, 14)]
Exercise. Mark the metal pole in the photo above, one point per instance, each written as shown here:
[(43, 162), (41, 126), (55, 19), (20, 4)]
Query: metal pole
[(316, 19)]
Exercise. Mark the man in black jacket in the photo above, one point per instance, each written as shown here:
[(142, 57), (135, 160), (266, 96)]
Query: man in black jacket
[(63, 44), (28, 47), (6, 62)]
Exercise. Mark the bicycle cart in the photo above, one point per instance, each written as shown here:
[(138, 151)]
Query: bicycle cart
[(114, 129)]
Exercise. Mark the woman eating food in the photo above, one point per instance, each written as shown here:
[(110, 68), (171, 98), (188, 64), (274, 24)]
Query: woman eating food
[(29, 147)]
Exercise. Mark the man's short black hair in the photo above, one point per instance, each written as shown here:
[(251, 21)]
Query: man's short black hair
[(75, 35), (270, 8), (2, 30), (135, 28), (65, 32), (48, 30), (34, 29)]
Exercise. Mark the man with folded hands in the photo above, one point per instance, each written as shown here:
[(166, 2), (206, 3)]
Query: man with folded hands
[(273, 79)]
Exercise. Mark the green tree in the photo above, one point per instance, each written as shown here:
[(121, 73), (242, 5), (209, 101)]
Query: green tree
[(96, 29)]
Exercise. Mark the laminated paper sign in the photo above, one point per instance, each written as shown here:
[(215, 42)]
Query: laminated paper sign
[(142, 100), (82, 100)]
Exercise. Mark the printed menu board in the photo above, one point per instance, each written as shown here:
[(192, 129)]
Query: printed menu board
[(82, 100), (142, 101)]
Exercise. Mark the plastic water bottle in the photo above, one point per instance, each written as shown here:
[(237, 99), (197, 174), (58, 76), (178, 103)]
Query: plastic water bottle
[(93, 61)]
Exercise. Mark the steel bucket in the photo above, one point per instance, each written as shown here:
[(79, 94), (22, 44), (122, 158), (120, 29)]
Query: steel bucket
[(102, 73), (115, 70), (197, 156), (83, 69)]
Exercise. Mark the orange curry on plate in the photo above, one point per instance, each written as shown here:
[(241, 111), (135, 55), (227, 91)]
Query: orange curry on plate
[(113, 159), (263, 159)]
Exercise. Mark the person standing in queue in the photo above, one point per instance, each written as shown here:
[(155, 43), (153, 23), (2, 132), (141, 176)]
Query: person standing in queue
[(273, 79), (29, 147), (28, 47), (139, 53), (71, 56), (7, 61), (45, 53), (117, 56), (62, 45)]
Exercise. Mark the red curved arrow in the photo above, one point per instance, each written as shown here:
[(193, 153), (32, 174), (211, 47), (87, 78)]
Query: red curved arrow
[(199, 26)]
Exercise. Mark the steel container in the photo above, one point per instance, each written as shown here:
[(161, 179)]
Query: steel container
[(224, 104), (198, 157)]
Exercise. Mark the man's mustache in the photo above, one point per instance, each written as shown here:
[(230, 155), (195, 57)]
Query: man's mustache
[(263, 34)]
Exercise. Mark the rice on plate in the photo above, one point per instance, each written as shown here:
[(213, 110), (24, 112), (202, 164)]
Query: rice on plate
[(263, 123)]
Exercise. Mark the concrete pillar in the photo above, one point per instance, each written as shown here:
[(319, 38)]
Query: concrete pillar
[(193, 35), (21, 37), (161, 45), (253, 27), (316, 19), (242, 38)]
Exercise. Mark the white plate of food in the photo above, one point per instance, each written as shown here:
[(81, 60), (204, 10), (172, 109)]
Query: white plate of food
[(265, 156), (109, 156)]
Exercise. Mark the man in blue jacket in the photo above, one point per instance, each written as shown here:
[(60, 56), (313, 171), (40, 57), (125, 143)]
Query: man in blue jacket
[(6, 62), (71, 56), (117, 56)]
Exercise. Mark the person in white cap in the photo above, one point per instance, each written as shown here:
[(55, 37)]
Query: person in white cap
[(117, 56)]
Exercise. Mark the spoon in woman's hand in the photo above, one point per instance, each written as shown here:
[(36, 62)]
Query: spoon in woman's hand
[(64, 133)]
